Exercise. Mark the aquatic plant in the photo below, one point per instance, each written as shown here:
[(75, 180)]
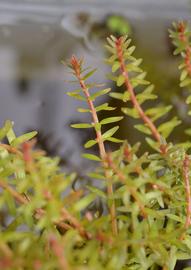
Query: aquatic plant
[(145, 222)]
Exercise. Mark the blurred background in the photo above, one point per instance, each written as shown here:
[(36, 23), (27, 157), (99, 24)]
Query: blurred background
[(35, 35)]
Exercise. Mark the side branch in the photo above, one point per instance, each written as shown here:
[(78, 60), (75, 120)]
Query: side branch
[(134, 101), (76, 65)]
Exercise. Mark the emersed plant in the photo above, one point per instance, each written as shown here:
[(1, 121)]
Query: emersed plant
[(146, 225)]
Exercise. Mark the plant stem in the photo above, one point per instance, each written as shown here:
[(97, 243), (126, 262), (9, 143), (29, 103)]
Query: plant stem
[(58, 252), (18, 197), (184, 39), (76, 65), (186, 164), (134, 101)]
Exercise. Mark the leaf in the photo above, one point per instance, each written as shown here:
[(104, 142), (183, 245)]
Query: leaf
[(185, 82), (104, 107), (97, 191), (117, 95), (131, 112), (143, 129), (84, 202), (115, 66), (183, 75), (96, 176), (130, 50), (120, 80), (110, 132), (155, 113), (153, 144), (5, 129), (115, 140), (188, 100), (83, 110), (166, 128), (23, 138), (87, 75), (91, 157), (81, 125), (111, 120), (100, 93), (90, 143), (76, 95)]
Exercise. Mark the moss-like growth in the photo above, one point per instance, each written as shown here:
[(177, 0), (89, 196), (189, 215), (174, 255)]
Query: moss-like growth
[(146, 223)]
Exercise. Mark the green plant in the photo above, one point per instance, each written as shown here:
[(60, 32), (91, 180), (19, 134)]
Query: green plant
[(146, 223)]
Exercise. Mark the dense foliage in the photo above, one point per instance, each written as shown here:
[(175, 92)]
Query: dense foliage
[(146, 217)]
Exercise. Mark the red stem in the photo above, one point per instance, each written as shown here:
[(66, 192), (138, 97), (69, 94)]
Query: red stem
[(186, 164), (58, 252), (184, 39), (136, 104), (76, 65)]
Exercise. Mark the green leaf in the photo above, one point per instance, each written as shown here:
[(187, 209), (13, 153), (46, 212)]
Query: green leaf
[(131, 112), (110, 132), (185, 82), (153, 144), (111, 120), (91, 157), (90, 143), (100, 93), (89, 74), (83, 110), (143, 129), (116, 95), (115, 140), (23, 138), (84, 202), (156, 113), (188, 100), (183, 75), (120, 80), (11, 135), (81, 125), (76, 95), (115, 66), (5, 129), (104, 107), (166, 128), (97, 191)]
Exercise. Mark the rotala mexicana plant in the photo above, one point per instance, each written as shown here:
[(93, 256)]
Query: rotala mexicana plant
[(146, 223)]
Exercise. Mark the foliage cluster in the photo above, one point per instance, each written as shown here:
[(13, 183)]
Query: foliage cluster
[(46, 224)]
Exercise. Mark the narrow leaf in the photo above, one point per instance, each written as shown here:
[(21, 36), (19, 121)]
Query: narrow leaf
[(111, 120), (91, 157)]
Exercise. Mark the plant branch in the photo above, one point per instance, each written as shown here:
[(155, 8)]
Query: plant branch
[(186, 164), (185, 40), (18, 197), (76, 65), (134, 101), (58, 252)]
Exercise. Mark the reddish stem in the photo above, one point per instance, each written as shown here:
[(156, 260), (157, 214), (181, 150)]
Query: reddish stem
[(185, 40), (18, 197), (134, 101), (186, 164), (58, 252), (76, 65)]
